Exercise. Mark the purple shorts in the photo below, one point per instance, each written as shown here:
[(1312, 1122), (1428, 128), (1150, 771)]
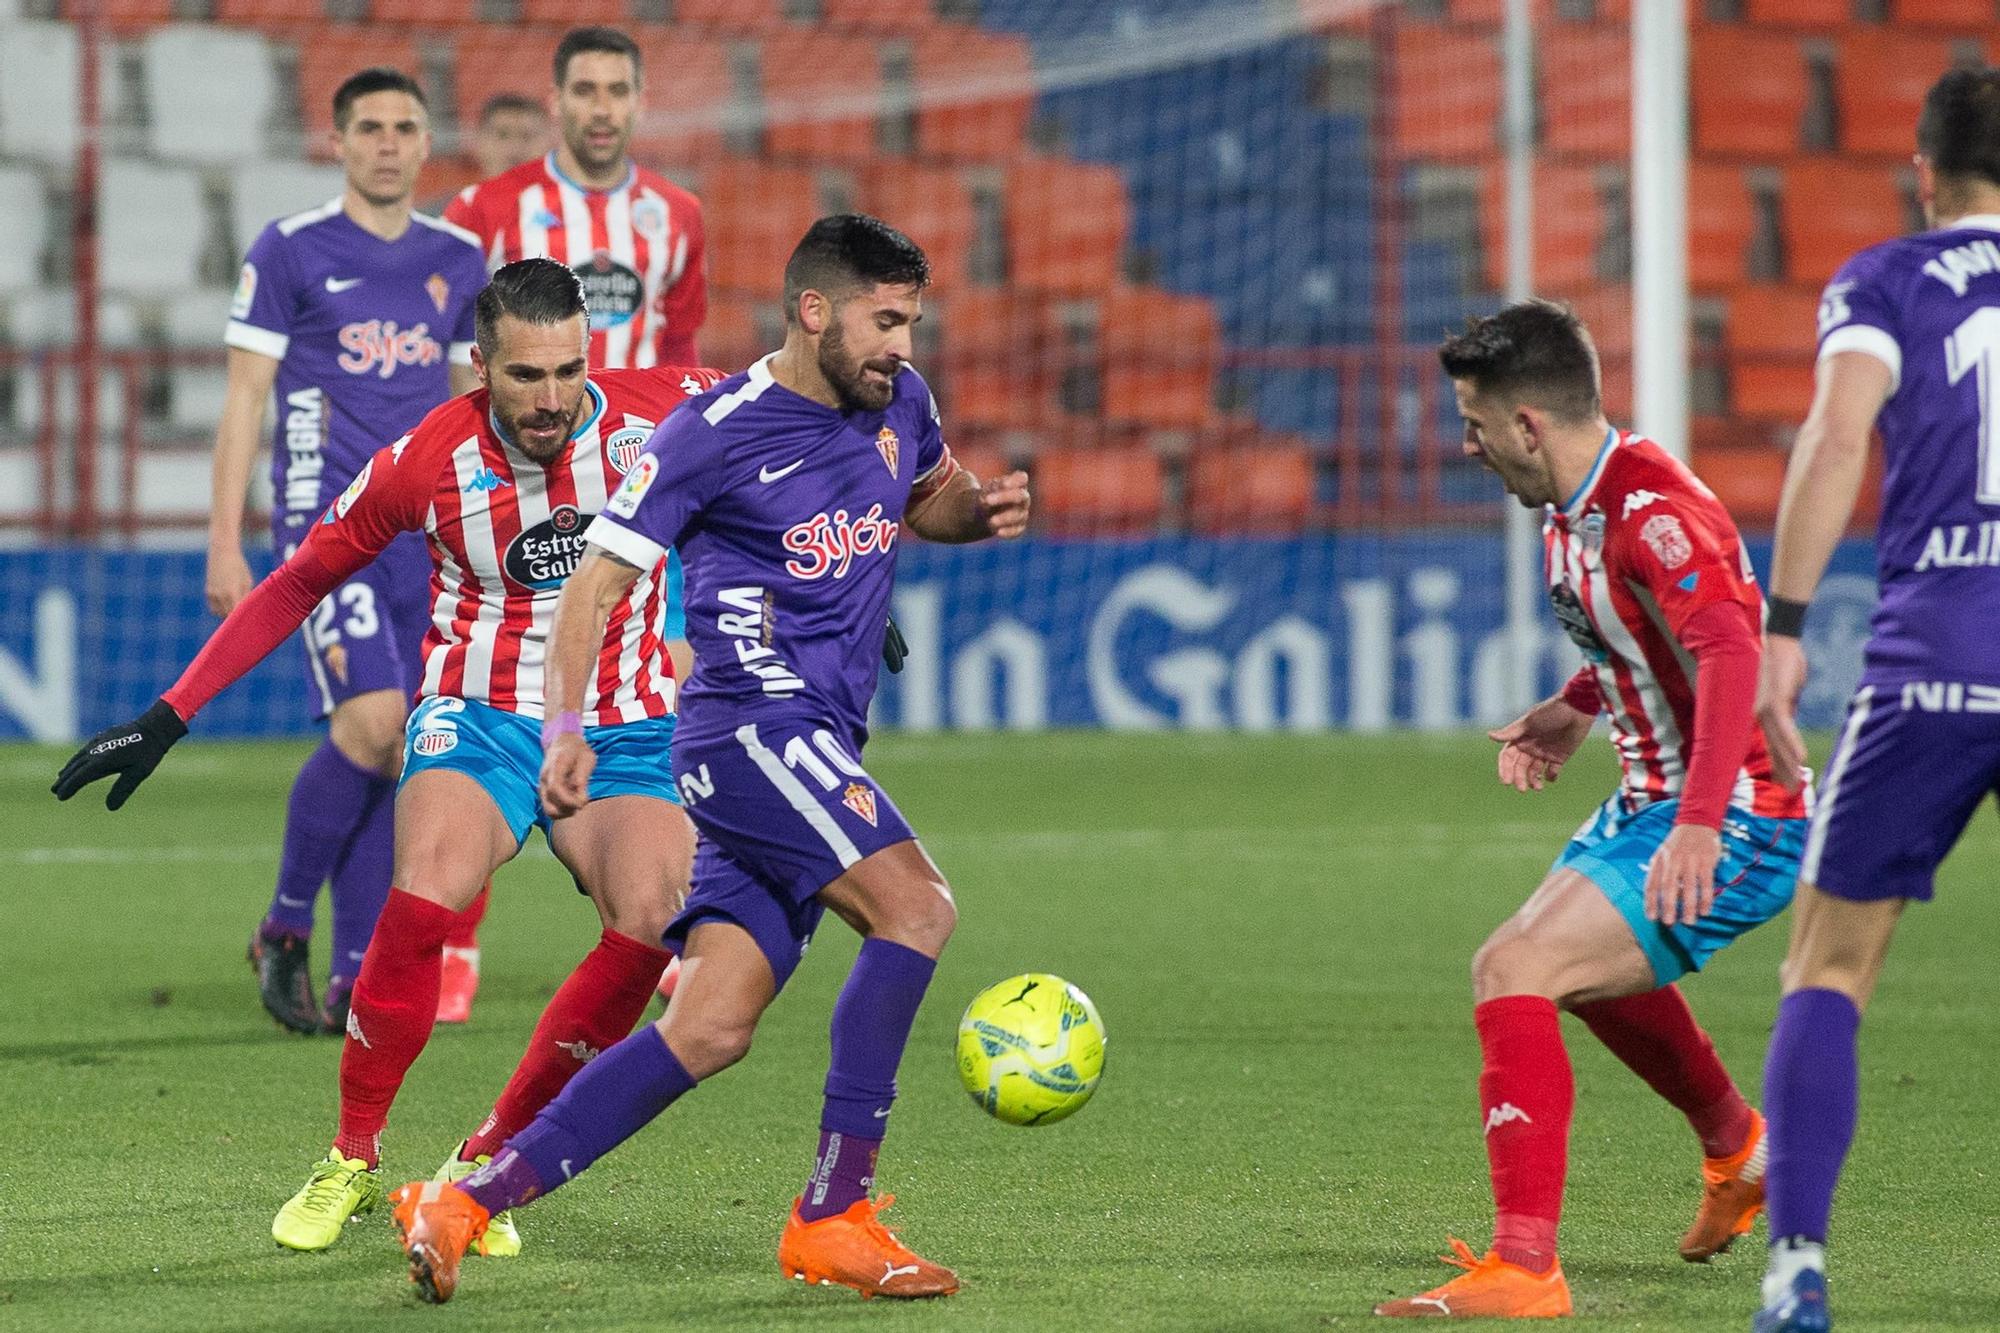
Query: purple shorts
[(1912, 764), (783, 809), (368, 633)]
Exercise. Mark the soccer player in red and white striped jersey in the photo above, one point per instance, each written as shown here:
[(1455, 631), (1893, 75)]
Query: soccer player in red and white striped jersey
[(632, 235), (502, 482), (1698, 845)]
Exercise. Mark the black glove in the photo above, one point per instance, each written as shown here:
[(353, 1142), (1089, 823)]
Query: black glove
[(131, 750), (894, 650)]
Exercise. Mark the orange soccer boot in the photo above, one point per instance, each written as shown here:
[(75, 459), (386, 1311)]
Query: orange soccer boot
[(1489, 1288), (1732, 1196), (439, 1223), (853, 1249)]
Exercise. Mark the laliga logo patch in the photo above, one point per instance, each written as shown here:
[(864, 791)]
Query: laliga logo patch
[(352, 493), (625, 501), (860, 800), (433, 743), (624, 447), (891, 448), (246, 292), (1669, 540)]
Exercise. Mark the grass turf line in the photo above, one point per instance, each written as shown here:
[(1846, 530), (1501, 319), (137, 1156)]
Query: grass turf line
[(1276, 930)]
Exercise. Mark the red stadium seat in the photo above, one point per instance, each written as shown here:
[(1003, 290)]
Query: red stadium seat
[(1762, 387), (328, 55), (1495, 11), (1160, 354), (1831, 209), (1757, 105), (270, 15), (1116, 490), (1447, 93), (126, 17), (1066, 224), (688, 94), (1721, 223), (1973, 15), (1748, 480), (975, 94), (748, 16), (431, 12), (753, 215), (804, 75), (931, 204), (1879, 84), (502, 60), (1799, 13), (997, 359), (1569, 224), (1586, 91), (737, 331), (887, 16), (1262, 489), (1776, 321)]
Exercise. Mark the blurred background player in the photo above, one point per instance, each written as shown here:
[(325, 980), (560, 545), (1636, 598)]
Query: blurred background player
[(771, 461), (1909, 343), (513, 128), (635, 238), (358, 314), (1698, 846)]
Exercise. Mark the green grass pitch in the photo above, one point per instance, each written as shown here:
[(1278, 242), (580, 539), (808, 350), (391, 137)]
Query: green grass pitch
[(1276, 930)]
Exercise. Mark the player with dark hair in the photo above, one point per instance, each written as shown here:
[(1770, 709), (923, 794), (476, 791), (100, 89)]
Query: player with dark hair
[(1909, 343), (502, 483), (785, 486), (357, 316), (1698, 845), (513, 128)]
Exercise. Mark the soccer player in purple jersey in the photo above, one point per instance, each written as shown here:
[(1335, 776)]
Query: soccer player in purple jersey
[(357, 317), (784, 489), (1909, 342)]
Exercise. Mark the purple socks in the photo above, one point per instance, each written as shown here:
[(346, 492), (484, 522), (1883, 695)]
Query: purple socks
[(1811, 1096), (871, 1025), (604, 1105), (330, 798), (360, 887)]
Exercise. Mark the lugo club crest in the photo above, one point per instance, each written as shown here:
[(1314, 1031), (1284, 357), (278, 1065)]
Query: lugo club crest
[(546, 554)]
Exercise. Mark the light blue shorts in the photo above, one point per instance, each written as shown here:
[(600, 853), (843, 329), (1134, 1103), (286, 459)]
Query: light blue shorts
[(502, 752), (1753, 881)]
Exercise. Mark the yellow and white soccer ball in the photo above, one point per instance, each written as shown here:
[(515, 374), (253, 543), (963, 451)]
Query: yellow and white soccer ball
[(1031, 1049)]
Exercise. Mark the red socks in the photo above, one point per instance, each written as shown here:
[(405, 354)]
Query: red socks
[(395, 1004), (595, 1009), (1656, 1036), (1526, 1094), (465, 929)]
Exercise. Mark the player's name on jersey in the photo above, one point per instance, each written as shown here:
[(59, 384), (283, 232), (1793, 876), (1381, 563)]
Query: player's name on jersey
[(1947, 546)]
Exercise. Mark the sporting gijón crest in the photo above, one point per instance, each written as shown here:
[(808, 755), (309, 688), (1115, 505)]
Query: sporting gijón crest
[(861, 800), (891, 449)]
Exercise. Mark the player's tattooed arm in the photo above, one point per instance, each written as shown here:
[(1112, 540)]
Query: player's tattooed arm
[(601, 580), (964, 509)]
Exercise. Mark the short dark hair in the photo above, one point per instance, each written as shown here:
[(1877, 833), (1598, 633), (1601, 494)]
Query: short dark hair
[(503, 102), (538, 291), (597, 38), (374, 79), (1533, 351), (1959, 128), (847, 251)]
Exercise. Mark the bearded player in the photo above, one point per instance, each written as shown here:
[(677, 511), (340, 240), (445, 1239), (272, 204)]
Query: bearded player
[(784, 487), (502, 483), (1698, 845)]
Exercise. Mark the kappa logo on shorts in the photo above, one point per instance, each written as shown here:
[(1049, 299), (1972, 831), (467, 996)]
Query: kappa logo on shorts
[(860, 800), (433, 743)]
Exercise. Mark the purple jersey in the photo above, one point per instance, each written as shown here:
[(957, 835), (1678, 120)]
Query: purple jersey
[(363, 330), (786, 514), (1928, 307)]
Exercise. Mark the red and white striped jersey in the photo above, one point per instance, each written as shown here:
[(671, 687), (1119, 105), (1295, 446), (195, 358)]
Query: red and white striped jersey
[(1640, 548), (638, 249), (505, 532)]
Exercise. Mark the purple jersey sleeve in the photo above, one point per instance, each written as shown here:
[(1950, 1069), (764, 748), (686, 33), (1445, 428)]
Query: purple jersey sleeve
[(661, 497), (930, 436), (262, 314), (1857, 313)]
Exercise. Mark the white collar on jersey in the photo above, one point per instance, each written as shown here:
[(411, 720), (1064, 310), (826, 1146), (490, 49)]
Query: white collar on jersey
[(1977, 221), (1574, 504), (631, 174), (597, 406)]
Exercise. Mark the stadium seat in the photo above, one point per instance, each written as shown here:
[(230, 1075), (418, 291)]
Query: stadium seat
[(1262, 490), (975, 94), (1880, 81), (1066, 226), (1765, 388), (126, 18), (263, 192), (1745, 478), (934, 206), (1758, 107), (1114, 491), (689, 97), (328, 56), (195, 396), (746, 16), (753, 216), (46, 317), (1160, 355), (500, 60), (1973, 15), (1832, 209), (1586, 91), (38, 91), (1721, 223), (1446, 101), (804, 76), (271, 16), (195, 319), (24, 203), (154, 225), (432, 12), (1780, 321), (997, 359), (737, 331), (210, 90), (880, 16), (1799, 13), (1569, 223)]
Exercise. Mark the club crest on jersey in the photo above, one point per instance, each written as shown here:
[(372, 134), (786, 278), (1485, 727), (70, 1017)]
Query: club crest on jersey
[(860, 800), (612, 292), (433, 743), (1669, 540), (1591, 532), (625, 500), (649, 216), (891, 448), (828, 543), (336, 661), (438, 289), (624, 447)]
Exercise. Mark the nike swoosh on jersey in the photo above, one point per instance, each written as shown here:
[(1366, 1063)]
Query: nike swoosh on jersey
[(769, 474), (339, 285)]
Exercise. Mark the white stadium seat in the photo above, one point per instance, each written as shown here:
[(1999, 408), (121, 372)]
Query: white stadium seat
[(46, 317), (24, 203), (38, 84), (196, 399), (267, 191), (211, 91), (155, 223), (197, 318)]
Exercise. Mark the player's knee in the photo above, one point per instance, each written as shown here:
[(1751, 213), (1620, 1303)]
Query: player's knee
[(368, 735), (929, 923), (1504, 965), (708, 1049), (640, 918)]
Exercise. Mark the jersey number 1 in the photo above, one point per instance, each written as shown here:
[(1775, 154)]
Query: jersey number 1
[(1974, 346)]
